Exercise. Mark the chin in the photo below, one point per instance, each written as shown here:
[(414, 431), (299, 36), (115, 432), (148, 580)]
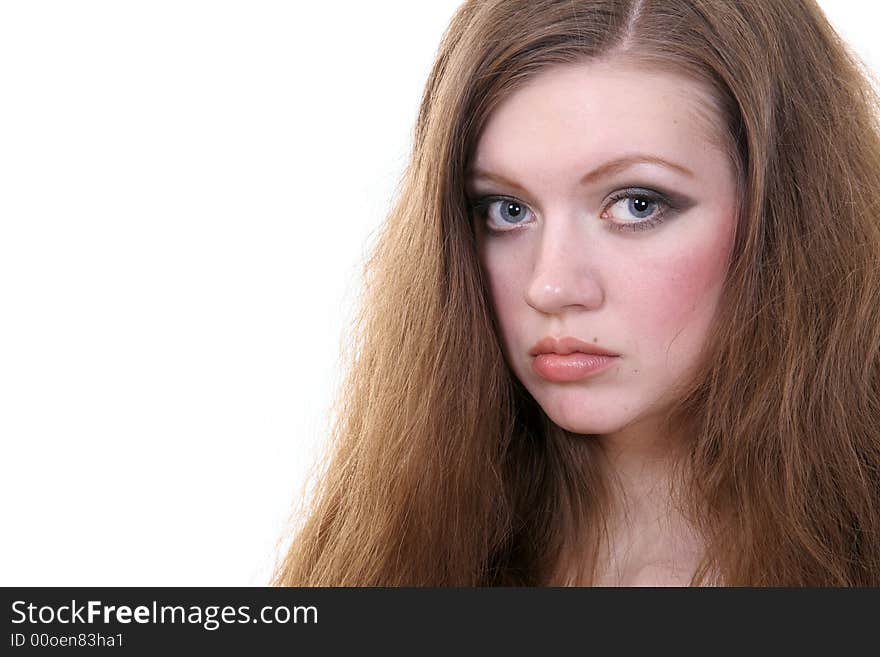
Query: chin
[(584, 427), (583, 420)]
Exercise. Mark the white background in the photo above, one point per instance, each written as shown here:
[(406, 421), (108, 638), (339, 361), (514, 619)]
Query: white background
[(187, 191)]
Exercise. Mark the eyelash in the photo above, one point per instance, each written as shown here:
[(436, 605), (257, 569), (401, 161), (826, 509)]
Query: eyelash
[(666, 206)]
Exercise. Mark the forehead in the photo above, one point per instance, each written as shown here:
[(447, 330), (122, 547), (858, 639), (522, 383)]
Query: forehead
[(573, 114)]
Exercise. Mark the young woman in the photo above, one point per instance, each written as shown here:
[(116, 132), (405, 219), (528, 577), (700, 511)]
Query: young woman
[(623, 324)]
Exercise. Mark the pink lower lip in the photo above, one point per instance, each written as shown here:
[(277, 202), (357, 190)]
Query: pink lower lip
[(571, 367)]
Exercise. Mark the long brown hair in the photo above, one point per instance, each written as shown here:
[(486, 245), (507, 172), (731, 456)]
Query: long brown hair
[(443, 470)]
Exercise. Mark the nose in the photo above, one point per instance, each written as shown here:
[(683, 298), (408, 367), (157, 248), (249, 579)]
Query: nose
[(564, 274)]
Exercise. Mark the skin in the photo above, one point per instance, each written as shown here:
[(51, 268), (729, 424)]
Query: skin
[(648, 295)]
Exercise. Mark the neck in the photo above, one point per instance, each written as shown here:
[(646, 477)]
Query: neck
[(639, 460), (649, 540)]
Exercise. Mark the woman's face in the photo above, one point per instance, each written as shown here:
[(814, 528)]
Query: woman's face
[(567, 255)]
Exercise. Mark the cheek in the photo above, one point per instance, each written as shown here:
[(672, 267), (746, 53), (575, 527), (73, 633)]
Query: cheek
[(506, 278), (677, 296)]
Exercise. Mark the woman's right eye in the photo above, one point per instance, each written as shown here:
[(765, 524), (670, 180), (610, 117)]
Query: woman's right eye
[(500, 211)]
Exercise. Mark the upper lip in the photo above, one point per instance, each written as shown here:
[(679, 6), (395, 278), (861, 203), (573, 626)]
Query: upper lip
[(566, 345)]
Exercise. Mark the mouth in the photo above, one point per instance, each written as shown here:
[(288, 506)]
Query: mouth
[(567, 345), (564, 368), (566, 359)]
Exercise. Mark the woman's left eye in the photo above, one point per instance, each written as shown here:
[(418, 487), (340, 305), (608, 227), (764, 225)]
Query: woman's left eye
[(647, 207)]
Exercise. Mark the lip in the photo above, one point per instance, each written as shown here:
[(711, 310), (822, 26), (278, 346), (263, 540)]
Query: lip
[(561, 360), (558, 368), (567, 345)]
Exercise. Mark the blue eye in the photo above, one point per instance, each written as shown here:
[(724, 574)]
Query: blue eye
[(642, 204), (645, 206), (500, 211)]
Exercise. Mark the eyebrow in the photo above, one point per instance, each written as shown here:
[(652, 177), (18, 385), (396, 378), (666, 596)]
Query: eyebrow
[(603, 171)]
